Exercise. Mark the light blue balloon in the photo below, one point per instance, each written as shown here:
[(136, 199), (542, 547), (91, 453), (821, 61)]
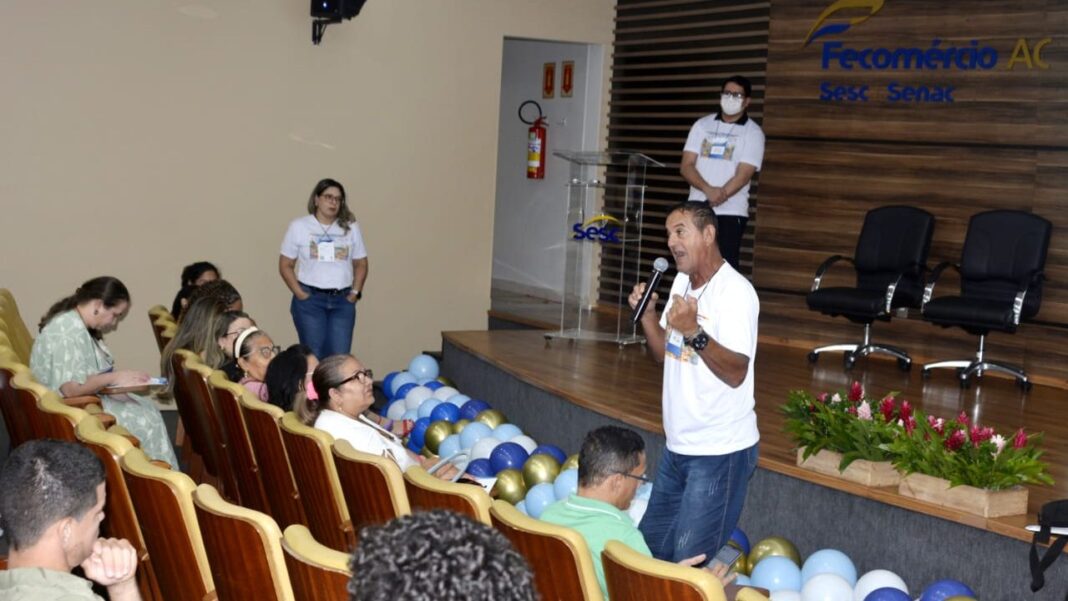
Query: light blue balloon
[(425, 381), (474, 432), (424, 367), (458, 399), (742, 579), (411, 414), (427, 406), (829, 561), (566, 484), (506, 432), (449, 446), (400, 380), (522, 507), (776, 573), (538, 498)]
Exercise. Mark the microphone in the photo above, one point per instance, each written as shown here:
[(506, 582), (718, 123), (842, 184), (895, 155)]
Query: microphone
[(660, 265)]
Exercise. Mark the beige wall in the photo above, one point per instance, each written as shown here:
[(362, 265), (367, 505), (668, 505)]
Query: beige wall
[(139, 135)]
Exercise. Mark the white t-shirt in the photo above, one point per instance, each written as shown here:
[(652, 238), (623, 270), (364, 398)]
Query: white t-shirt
[(702, 414), (719, 148), (306, 237), (363, 437)]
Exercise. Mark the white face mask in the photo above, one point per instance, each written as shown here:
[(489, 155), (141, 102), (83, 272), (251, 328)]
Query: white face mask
[(730, 104)]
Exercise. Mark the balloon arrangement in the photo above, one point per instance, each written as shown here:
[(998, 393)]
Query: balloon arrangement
[(532, 476)]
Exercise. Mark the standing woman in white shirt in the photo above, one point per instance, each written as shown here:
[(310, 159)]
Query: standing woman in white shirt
[(324, 264)]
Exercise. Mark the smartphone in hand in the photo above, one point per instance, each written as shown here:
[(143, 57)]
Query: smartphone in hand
[(727, 555)]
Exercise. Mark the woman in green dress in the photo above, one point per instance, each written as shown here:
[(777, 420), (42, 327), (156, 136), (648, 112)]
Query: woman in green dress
[(69, 356)]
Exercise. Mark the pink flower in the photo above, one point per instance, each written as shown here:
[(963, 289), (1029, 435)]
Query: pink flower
[(851, 410), (910, 424), (864, 411), (836, 398), (856, 391), (939, 425), (886, 407), (822, 397), (999, 444), (962, 419), (974, 434), (906, 410), (1020, 440), (956, 440)]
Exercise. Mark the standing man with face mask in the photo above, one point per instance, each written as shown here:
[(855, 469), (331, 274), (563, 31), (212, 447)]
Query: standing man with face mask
[(722, 153)]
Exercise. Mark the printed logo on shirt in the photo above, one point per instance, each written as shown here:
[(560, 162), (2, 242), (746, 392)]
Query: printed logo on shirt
[(718, 147), (341, 251)]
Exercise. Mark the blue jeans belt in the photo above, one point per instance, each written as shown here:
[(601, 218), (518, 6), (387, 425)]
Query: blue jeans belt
[(330, 291)]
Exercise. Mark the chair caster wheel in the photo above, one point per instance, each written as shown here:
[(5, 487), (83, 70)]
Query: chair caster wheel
[(813, 357), (904, 364)]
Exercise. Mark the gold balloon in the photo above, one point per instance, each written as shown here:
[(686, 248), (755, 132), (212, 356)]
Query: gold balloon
[(571, 463), (510, 486), (740, 566), (436, 433), (459, 424), (774, 545), (425, 452), (540, 468), (491, 417), (445, 381)]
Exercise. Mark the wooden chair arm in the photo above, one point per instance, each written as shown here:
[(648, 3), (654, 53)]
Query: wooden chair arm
[(107, 420), (81, 401), (162, 464)]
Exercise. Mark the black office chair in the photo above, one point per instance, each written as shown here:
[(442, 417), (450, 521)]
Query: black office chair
[(1000, 285), (890, 262)]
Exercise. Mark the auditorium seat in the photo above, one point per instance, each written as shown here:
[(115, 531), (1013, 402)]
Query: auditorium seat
[(238, 446), (631, 576), (426, 492), (889, 262), (157, 311), (244, 549), (163, 501), (14, 326), (316, 572), (197, 374), (262, 421), (197, 414), (18, 410), (51, 416), (558, 556), (373, 486), (159, 325), (316, 476), (1001, 272)]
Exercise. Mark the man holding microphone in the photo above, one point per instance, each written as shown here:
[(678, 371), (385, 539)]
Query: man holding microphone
[(706, 339)]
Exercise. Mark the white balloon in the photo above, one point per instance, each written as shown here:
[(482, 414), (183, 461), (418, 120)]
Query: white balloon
[(483, 448), (396, 410), (827, 587), (443, 393), (877, 579), (416, 396), (526, 442), (785, 595), (458, 399)]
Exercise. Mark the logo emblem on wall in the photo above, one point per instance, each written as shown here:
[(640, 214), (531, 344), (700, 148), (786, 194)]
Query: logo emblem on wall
[(601, 228), (819, 29)]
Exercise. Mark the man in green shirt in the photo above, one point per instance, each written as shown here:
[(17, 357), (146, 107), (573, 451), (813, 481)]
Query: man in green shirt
[(51, 505), (611, 467)]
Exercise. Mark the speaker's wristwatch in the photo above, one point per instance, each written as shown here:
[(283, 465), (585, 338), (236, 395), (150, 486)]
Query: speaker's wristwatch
[(699, 340)]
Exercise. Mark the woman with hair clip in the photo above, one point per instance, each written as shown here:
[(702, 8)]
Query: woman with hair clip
[(220, 290), (323, 262), (341, 392), (193, 276), (254, 351), (289, 377), (69, 356)]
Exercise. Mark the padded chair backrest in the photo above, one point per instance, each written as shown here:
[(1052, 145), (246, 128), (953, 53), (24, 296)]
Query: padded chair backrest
[(1002, 251), (244, 549), (426, 492), (238, 447), (197, 374), (561, 560), (373, 486), (14, 326), (52, 419), (894, 239), (193, 413), (317, 572), (120, 519), (316, 476), (163, 501), (262, 420), (631, 576), (17, 407), (157, 311), (158, 326)]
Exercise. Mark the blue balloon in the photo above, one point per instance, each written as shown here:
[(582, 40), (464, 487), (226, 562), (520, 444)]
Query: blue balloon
[(777, 573), (888, 593), (445, 411), (507, 455), (427, 406), (385, 408), (458, 400), (742, 579), (450, 446), (944, 589), (423, 367), (538, 498), (387, 382), (472, 408), (472, 433), (402, 390), (410, 414), (432, 384), (829, 561), (480, 468), (399, 380), (551, 450), (506, 432), (417, 438), (566, 483), (740, 539), (522, 507)]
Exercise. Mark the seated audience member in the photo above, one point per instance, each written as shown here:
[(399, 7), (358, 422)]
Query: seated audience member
[(342, 393), (611, 467), (220, 290), (437, 555), (254, 351), (195, 333), (51, 504), (289, 376), (70, 357), (194, 275), (225, 330)]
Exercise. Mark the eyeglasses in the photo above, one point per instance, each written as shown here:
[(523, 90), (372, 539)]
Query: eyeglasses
[(641, 478), (734, 95), (266, 352), (330, 197), (369, 374)]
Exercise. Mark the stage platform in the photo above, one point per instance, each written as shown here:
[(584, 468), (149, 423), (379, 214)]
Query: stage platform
[(557, 391)]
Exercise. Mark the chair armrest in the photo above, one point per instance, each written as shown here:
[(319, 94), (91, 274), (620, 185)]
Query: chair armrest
[(107, 420), (928, 290), (822, 269), (81, 401), (1018, 300)]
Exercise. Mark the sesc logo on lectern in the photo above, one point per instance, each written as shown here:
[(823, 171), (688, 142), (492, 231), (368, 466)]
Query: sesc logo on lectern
[(599, 228)]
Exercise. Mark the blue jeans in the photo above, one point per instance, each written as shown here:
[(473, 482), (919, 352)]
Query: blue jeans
[(696, 503), (324, 322)]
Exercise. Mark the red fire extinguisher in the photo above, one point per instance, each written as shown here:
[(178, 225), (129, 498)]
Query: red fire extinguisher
[(536, 140)]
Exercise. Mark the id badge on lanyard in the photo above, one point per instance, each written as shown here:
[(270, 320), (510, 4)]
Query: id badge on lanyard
[(325, 249)]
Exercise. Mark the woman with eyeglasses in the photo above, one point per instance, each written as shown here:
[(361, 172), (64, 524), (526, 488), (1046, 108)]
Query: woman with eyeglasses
[(323, 262), (341, 393), (254, 351)]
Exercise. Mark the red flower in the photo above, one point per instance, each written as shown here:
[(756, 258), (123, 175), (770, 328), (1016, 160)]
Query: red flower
[(856, 391), (955, 440), (910, 424), (979, 435), (962, 419), (906, 410), (851, 410), (811, 408), (822, 397), (939, 424), (1020, 440), (886, 407)]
